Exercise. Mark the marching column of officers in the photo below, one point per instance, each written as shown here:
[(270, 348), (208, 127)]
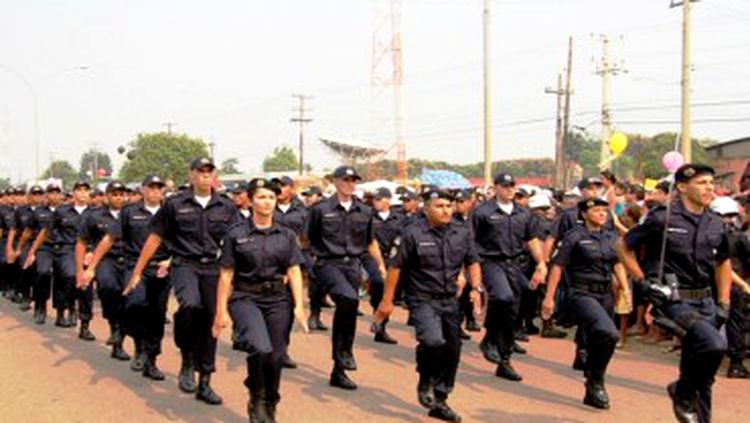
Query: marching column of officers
[(246, 260)]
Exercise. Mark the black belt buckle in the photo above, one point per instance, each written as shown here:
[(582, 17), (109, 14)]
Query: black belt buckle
[(205, 260), (267, 287), (57, 247), (120, 260), (345, 259)]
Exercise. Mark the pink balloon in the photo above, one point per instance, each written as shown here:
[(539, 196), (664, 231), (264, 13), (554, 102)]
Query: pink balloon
[(672, 161)]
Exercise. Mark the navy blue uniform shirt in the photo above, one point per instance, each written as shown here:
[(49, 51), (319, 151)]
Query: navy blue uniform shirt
[(294, 218), (587, 257), (133, 230), (387, 230), (334, 232), (695, 244), (194, 233), (66, 222), (259, 255), (430, 258), (98, 223), (502, 235)]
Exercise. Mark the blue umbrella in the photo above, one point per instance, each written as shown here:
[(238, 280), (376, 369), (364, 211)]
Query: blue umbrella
[(444, 179)]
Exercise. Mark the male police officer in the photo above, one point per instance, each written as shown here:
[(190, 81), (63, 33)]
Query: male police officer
[(42, 264), (502, 228), (290, 213), (695, 260), (62, 231), (146, 306), (386, 225), (431, 253), (110, 272), (739, 313), (193, 222), (339, 232), (17, 251)]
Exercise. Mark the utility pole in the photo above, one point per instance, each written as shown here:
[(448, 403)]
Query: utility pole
[(487, 16), (559, 138), (95, 162), (169, 126), (566, 111), (685, 137), (211, 149), (302, 120), (606, 70)]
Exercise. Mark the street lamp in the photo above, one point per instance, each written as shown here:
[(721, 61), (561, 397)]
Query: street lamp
[(35, 102)]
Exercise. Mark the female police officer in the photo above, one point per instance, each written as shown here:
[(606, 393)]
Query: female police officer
[(587, 253), (258, 257)]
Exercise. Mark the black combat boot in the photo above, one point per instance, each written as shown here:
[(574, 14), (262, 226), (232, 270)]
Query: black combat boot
[(85, 333), (205, 393), (151, 371), (186, 377)]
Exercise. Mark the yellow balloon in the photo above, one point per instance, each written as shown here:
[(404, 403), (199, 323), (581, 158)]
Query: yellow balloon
[(618, 143)]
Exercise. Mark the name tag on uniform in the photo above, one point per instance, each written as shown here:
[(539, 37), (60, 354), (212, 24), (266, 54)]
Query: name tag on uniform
[(677, 230), (140, 217), (586, 241), (426, 244), (242, 240), (330, 215), (495, 217), (185, 210)]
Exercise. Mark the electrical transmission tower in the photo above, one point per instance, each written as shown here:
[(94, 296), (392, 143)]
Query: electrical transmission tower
[(387, 78)]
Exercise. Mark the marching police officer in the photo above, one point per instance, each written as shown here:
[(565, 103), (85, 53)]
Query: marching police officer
[(428, 257), (18, 251), (386, 226), (696, 259), (39, 255), (193, 222), (62, 231), (465, 201), (739, 312), (502, 229), (339, 232), (144, 309), (259, 257), (587, 253), (291, 213), (110, 271)]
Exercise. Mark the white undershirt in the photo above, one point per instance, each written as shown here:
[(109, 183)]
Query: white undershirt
[(346, 205), (153, 209), (203, 201), (506, 208), (245, 212), (284, 207), (80, 209), (115, 213), (384, 214)]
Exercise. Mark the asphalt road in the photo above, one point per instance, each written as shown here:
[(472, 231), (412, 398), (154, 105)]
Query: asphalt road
[(48, 375)]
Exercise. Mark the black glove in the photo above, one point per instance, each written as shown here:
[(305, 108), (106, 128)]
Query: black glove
[(722, 314)]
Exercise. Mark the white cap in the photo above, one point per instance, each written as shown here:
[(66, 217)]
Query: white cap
[(539, 201), (725, 206)]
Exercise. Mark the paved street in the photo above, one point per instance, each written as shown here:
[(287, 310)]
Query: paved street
[(51, 376)]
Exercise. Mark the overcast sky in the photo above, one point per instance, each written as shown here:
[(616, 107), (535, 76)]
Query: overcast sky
[(225, 70)]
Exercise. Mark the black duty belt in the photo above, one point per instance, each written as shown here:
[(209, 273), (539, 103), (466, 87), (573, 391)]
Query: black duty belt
[(196, 261), (339, 260), (695, 294), (425, 296), (593, 288), (117, 259), (260, 288)]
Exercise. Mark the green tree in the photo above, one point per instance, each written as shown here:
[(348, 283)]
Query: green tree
[(164, 154), (4, 183), (282, 159), (61, 169), (91, 157), (230, 166)]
